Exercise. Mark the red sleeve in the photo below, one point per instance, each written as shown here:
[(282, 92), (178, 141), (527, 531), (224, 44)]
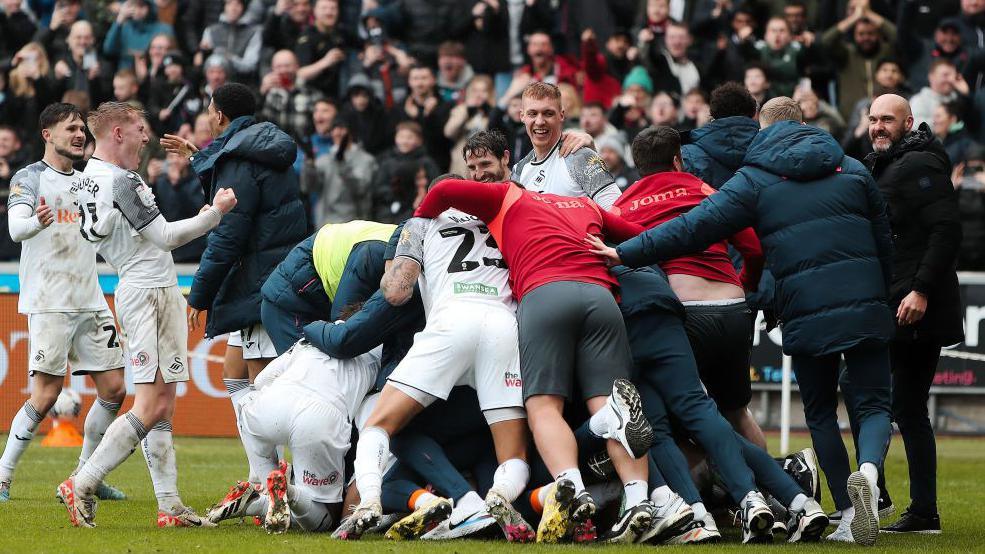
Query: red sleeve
[(617, 229), (747, 243), (482, 200)]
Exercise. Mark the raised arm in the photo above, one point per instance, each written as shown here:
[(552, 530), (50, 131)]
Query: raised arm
[(482, 200)]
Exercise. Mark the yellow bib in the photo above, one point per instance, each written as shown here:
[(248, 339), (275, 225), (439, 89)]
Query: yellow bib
[(333, 244)]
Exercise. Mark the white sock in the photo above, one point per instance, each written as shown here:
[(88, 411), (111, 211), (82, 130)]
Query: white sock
[(237, 389), (699, 510), (372, 452), (661, 495), (634, 492), (469, 503), (423, 499), (511, 478), (120, 440), (847, 515), (542, 494), (871, 472), (574, 475), (599, 424), (797, 504), (22, 430), (101, 415), (312, 516), (158, 449)]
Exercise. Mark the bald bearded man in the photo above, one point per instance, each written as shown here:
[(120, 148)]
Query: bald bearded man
[(913, 172)]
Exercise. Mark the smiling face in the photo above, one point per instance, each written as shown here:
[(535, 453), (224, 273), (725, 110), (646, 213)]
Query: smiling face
[(485, 167), (159, 47), (889, 120), (543, 118), (889, 76)]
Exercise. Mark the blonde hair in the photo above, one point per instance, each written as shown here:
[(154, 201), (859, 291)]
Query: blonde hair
[(781, 108), (110, 114), (20, 85), (540, 90)]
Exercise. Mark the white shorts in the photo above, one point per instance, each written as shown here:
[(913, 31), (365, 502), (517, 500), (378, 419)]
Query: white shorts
[(155, 332), (256, 343), (316, 432), (235, 339), (85, 340), (466, 344)]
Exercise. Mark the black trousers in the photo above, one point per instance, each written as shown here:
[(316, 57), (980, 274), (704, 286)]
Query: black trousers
[(914, 365)]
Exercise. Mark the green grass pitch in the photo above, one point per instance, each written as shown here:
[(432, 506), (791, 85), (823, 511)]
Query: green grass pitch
[(34, 522)]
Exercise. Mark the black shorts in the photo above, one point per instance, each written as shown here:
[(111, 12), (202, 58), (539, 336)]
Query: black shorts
[(721, 338), (568, 331)]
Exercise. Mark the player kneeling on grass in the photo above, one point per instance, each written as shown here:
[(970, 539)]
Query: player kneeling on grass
[(306, 400), (118, 213)]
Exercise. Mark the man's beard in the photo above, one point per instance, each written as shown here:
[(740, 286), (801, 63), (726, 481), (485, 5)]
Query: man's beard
[(69, 154), (893, 141)]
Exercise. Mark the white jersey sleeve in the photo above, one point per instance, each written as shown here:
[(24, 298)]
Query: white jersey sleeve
[(581, 173), (114, 206), (25, 186)]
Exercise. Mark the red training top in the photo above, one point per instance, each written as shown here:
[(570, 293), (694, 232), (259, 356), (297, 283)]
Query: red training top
[(661, 197), (541, 236)]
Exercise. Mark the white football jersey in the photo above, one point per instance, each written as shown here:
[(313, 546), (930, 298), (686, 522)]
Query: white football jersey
[(57, 266), (461, 260), (341, 383), (115, 204), (581, 173)]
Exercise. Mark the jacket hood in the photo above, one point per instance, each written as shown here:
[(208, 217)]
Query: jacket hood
[(726, 140), (263, 143), (796, 151)]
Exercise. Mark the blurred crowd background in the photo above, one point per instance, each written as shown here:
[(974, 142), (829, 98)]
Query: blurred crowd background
[(380, 94)]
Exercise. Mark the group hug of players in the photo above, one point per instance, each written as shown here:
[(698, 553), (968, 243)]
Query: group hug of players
[(496, 300)]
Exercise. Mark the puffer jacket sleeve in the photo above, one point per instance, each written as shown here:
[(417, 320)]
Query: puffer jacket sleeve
[(881, 230), (939, 215), (227, 242), (716, 218), (366, 329)]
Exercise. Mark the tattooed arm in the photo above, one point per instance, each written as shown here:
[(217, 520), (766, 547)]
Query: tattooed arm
[(399, 279)]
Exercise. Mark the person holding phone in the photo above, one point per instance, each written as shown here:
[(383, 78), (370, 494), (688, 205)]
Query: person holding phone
[(130, 35), (287, 102), (80, 68)]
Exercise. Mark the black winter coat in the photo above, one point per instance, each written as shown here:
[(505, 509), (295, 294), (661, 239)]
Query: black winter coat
[(915, 179), (255, 160)]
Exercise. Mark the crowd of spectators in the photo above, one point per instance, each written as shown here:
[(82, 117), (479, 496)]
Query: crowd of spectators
[(380, 94)]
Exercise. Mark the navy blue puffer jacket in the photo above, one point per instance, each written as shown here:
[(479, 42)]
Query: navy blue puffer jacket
[(715, 151), (823, 226), (255, 160)]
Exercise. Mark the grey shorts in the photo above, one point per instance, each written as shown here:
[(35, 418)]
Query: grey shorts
[(568, 331)]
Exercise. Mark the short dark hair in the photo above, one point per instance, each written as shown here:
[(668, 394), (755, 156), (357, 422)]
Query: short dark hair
[(58, 112), (444, 177), (893, 60), (655, 148), (492, 141), (234, 100), (732, 99)]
